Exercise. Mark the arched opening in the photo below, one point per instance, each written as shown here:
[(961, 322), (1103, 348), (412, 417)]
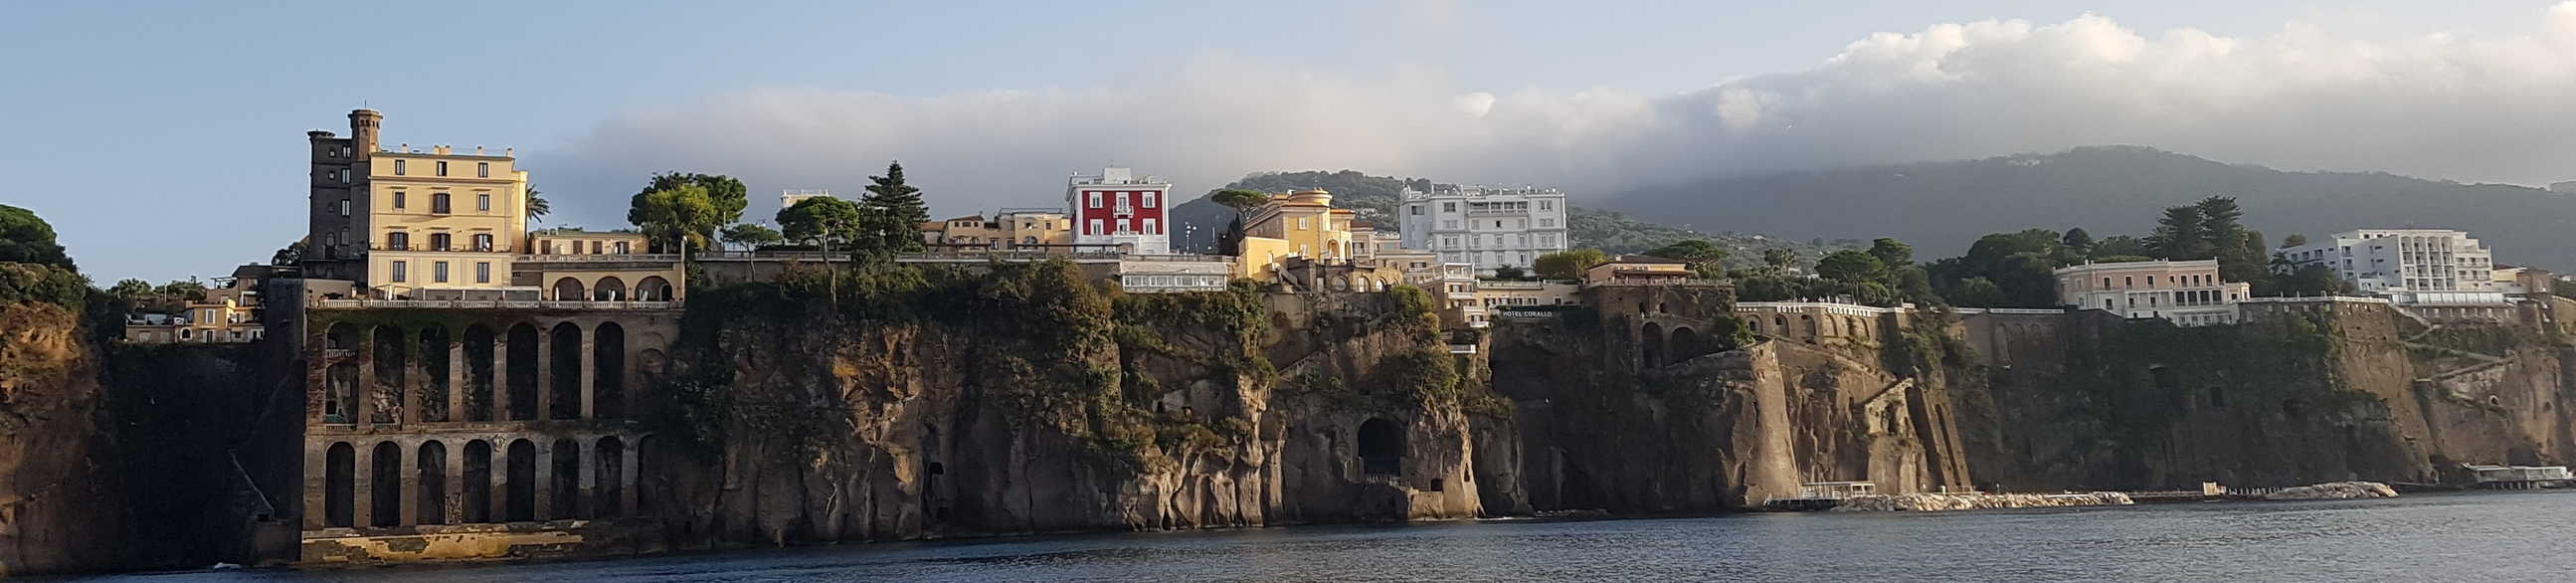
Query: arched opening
[(564, 398), (566, 496), (649, 365), (433, 370), (2217, 397), (522, 481), (522, 401), (339, 486), (386, 401), (608, 466), (1381, 448), (608, 371), (385, 483), (1809, 323), (1687, 344), (609, 289), (432, 477), (478, 373), (340, 337), (478, 481), (568, 289), (340, 398), (646, 489), (1650, 345), (653, 289)]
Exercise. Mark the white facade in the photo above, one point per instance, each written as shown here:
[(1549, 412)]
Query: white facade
[(1116, 207), (2187, 293), (2400, 263), (1485, 226), (789, 198)]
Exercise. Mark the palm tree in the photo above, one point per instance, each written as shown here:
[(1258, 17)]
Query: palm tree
[(537, 207)]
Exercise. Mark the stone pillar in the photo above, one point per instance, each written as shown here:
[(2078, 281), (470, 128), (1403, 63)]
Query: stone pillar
[(317, 483), (456, 379), (545, 486), (500, 485), (499, 399), (589, 480), (545, 375), (362, 390), (412, 381), (628, 477), (408, 475), (589, 374), (455, 505), (362, 485)]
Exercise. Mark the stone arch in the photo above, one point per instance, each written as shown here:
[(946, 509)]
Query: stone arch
[(521, 482), (566, 491), (1780, 326), (568, 289), (384, 484), (1808, 323), (608, 289), (434, 344), (608, 465), (339, 485), (608, 371), (431, 475), (653, 289), (1650, 345), (340, 336), (1687, 344), (564, 350), (340, 393), (477, 494), (520, 403), (479, 375), (391, 356), (1381, 448)]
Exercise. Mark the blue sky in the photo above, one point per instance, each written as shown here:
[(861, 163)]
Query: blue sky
[(164, 139)]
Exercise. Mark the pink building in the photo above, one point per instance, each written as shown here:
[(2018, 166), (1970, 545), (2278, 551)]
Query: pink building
[(2188, 293)]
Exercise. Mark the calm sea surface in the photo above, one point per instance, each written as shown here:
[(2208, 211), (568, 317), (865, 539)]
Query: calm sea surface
[(2454, 537)]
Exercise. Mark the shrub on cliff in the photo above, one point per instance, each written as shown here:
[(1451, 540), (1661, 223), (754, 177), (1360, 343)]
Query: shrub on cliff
[(31, 282)]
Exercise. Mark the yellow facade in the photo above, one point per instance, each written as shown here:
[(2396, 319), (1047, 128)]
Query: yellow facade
[(1008, 230), (443, 220), (1298, 224), (602, 266)]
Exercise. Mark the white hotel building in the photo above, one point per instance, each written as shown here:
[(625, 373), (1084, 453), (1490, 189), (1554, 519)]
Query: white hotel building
[(2409, 266), (1489, 227)]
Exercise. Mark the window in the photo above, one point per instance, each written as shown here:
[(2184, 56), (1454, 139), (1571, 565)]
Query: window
[(482, 272), (2128, 281), (399, 198), (483, 201), (1149, 200), (482, 169), (438, 241), (1304, 223), (2106, 282), (1095, 200), (438, 203), (401, 271), (1547, 205), (438, 272), (1095, 223), (1415, 210), (1545, 223), (594, 247), (344, 207), (482, 242), (442, 168), (622, 248), (401, 167), (398, 240), (344, 176), (1149, 225)]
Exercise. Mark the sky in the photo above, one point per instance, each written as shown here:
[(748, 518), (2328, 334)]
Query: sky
[(165, 140)]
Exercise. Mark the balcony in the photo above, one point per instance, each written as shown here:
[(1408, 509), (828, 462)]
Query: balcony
[(494, 304), (600, 258)]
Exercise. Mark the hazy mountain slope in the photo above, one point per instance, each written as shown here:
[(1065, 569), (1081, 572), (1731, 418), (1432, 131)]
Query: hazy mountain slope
[(1943, 206)]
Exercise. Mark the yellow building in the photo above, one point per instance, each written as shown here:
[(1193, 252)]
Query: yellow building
[(599, 266), (1637, 270), (228, 312), (1009, 229), (1298, 224), (442, 224)]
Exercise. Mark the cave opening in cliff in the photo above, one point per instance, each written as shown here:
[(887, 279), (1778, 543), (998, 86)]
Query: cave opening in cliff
[(566, 497), (386, 406), (433, 370), (432, 474), (340, 486), (384, 485), (1381, 444), (522, 480), (565, 396), (608, 363), (477, 494), (522, 384), (478, 374), (609, 466)]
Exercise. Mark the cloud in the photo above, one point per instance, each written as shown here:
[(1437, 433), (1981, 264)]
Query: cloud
[(2439, 105)]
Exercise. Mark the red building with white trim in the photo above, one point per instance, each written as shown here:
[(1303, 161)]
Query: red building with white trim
[(1117, 208)]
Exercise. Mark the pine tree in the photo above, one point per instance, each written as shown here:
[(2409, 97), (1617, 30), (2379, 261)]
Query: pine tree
[(899, 209), (2181, 235)]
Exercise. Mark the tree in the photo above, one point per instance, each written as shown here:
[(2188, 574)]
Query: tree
[(1508, 272), (1243, 201), (2182, 234), (181, 289), (2294, 240), (1706, 259), (724, 193), (130, 288), (537, 206), (1848, 267), (1977, 292), (2078, 241), (24, 238), (2314, 279), (1891, 253), (1779, 258), (824, 221), (2121, 246), (1568, 264), (752, 236), (895, 211), (682, 216), (2219, 220), (291, 254)]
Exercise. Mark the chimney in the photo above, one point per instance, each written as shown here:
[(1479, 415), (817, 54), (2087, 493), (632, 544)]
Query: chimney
[(365, 127)]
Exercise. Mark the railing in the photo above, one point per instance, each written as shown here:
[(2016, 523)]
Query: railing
[(599, 258), (2303, 299), (497, 304), (1655, 281)]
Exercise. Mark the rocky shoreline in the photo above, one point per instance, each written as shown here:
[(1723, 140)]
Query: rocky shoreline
[(1976, 501)]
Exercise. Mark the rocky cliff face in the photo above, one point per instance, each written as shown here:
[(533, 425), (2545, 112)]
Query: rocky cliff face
[(60, 496), (1026, 401)]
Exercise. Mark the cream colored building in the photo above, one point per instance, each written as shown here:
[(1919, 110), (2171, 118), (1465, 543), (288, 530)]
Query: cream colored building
[(1009, 229), (2187, 293), (228, 312), (1637, 270)]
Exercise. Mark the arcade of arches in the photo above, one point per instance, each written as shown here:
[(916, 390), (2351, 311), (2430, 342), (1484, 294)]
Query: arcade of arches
[(469, 478)]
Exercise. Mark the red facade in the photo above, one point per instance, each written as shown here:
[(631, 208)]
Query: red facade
[(1139, 205)]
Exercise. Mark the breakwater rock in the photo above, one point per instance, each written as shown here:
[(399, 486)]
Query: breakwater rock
[(1933, 502), (2334, 491)]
